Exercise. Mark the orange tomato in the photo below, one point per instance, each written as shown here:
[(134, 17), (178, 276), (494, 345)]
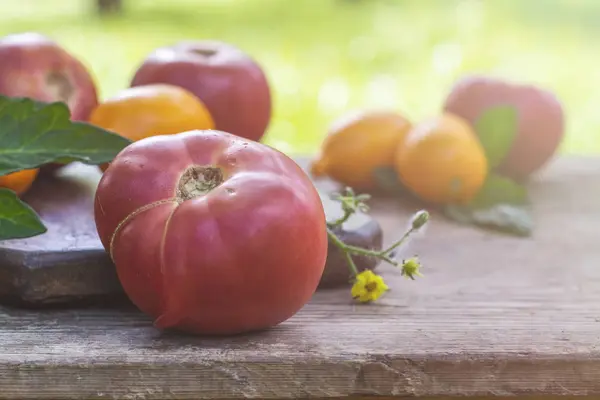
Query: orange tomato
[(442, 160), (357, 144), (19, 181), (157, 109)]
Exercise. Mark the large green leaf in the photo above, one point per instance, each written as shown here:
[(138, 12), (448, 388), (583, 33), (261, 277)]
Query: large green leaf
[(498, 189), (506, 218), (34, 133), (502, 205), (497, 129), (17, 219)]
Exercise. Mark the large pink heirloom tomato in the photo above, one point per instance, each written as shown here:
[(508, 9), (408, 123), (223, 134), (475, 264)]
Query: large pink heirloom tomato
[(212, 233), (541, 119)]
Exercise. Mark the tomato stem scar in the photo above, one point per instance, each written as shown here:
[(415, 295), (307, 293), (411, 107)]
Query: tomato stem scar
[(197, 181), (60, 85)]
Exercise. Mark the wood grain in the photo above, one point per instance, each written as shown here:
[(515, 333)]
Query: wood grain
[(494, 316), (550, 397)]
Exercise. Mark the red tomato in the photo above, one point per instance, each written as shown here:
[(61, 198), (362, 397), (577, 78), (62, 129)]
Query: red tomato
[(211, 233)]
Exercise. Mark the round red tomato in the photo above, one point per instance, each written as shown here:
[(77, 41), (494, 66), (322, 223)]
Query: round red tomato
[(211, 233)]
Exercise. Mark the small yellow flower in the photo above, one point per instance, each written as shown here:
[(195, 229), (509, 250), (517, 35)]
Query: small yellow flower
[(410, 268), (368, 286)]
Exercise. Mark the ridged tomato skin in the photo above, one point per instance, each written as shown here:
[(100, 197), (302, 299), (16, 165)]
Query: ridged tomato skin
[(245, 256)]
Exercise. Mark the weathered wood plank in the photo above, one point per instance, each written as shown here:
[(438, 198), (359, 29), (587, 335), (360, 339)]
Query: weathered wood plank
[(495, 316), (550, 397), (68, 264)]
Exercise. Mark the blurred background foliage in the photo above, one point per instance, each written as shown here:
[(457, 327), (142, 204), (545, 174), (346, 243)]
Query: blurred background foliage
[(325, 57)]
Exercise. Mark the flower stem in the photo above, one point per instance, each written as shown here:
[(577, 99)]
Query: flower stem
[(342, 219), (344, 248), (399, 242), (352, 204)]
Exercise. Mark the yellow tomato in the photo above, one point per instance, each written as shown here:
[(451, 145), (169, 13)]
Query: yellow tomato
[(19, 181), (442, 160), (357, 144)]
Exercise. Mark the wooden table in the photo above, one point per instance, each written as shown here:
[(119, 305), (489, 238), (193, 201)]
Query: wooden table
[(494, 316)]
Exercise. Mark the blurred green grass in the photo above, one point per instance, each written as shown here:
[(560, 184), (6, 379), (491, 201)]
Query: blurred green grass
[(325, 57)]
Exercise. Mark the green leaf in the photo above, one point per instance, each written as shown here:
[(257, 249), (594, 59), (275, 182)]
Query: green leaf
[(17, 219), (498, 189), (497, 129), (502, 205), (505, 218), (34, 133)]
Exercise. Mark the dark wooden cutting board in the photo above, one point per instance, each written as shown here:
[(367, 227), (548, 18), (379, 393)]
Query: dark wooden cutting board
[(68, 265)]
